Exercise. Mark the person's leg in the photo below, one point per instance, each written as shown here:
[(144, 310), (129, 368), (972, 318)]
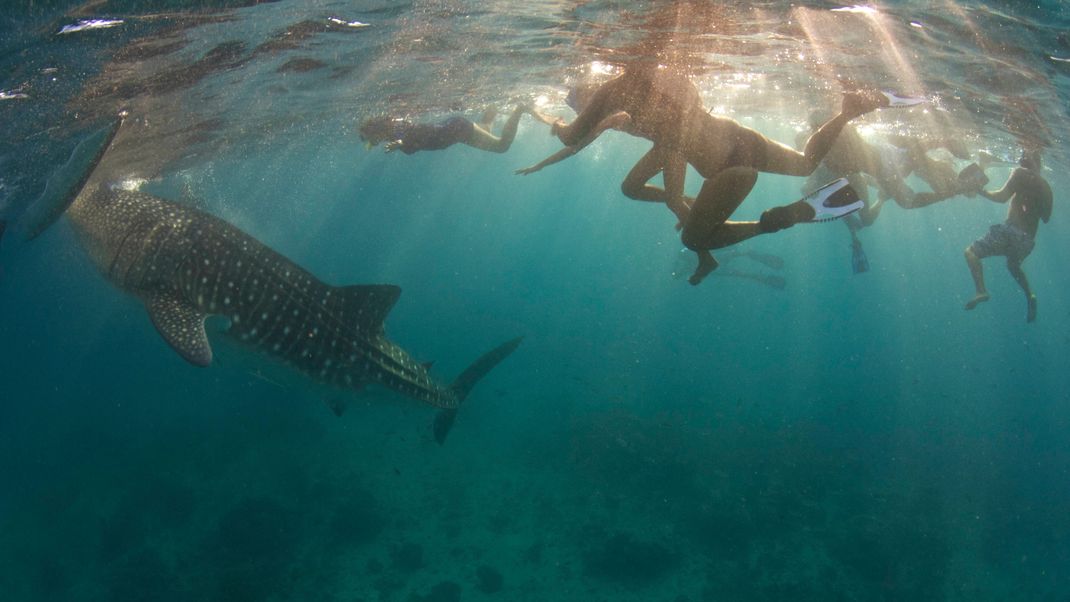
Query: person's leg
[(785, 160), (673, 168), (484, 140), (977, 271), (487, 120), (673, 177), (707, 227), (1014, 266), (635, 184)]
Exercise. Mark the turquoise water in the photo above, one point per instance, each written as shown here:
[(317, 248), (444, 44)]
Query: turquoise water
[(842, 437)]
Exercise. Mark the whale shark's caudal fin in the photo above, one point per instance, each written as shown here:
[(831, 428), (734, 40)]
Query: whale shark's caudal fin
[(468, 379), (65, 184)]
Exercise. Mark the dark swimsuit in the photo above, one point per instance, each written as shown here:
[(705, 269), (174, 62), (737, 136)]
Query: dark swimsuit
[(437, 136)]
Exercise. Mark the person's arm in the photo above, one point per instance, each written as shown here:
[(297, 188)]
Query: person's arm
[(560, 155), (1046, 214), (1047, 202), (616, 120), (673, 177), (571, 134), (1003, 194)]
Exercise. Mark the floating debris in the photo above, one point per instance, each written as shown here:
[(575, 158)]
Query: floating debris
[(87, 24), (344, 23)]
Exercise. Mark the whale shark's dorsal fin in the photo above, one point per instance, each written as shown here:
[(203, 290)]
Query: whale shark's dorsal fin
[(66, 182), (181, 325), (369, 304)]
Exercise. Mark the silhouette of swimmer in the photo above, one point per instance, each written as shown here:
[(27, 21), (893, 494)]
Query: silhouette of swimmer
[(665, 107), (410, 137)]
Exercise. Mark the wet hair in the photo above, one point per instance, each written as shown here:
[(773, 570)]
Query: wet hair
[(579, 95), (1030, 158), (381, 128)]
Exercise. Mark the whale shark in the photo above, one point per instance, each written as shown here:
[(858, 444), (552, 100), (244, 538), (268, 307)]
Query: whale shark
[(185, 265)]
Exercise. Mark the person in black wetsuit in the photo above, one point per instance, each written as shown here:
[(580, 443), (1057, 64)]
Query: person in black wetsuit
[(409, 137)]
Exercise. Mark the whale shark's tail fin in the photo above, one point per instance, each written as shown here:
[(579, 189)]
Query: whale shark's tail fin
[(468, 379), (65, 184)]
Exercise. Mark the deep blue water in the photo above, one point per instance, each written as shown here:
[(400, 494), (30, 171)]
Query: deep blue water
[(844, 437)]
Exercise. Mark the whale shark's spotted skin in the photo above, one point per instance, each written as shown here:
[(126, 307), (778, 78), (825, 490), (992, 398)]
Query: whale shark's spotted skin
[(186, 265)]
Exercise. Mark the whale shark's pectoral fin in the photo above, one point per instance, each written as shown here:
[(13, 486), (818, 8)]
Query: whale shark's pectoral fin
[(181, 325)]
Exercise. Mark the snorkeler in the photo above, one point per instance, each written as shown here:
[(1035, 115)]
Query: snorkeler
[(408, 137), (939, 174), (666, 108), (673, 165), (1031, 202)]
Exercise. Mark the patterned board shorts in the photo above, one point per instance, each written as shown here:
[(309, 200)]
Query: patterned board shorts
[(1004, 239)]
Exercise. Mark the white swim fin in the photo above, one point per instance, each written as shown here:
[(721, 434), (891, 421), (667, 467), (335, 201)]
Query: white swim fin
[(896, 100), (833, 201)]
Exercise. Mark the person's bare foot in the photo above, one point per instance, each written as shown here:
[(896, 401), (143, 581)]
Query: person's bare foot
[(706, 264), (1031, 310), (980, 298)]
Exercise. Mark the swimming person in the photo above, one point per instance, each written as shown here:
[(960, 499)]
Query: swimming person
[(409, 137), (1031, 202), (666, 108), (634, 186)]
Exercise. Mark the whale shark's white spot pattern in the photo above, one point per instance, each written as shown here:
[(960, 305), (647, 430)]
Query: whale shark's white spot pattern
[(333, 334)]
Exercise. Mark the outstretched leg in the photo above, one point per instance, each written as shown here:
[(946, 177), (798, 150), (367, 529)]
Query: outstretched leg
[(484, 140), (977, 271), (785, 160), (1014, 266)]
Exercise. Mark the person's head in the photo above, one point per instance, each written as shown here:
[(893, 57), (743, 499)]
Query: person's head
[(376, 130), (1030, 158), (579, 96)]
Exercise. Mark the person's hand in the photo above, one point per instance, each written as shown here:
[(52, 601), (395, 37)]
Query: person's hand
[(523, 171), (393, 146), (556, 126)]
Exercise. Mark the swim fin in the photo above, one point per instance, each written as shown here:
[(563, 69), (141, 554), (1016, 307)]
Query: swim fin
[(896, 100), (859, 261), (833, 200)]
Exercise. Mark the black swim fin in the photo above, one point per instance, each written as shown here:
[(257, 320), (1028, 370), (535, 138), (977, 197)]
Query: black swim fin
[(859, 261)]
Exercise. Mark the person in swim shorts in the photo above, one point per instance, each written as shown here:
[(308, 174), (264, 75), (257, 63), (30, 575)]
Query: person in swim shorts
[(1030, 199)]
